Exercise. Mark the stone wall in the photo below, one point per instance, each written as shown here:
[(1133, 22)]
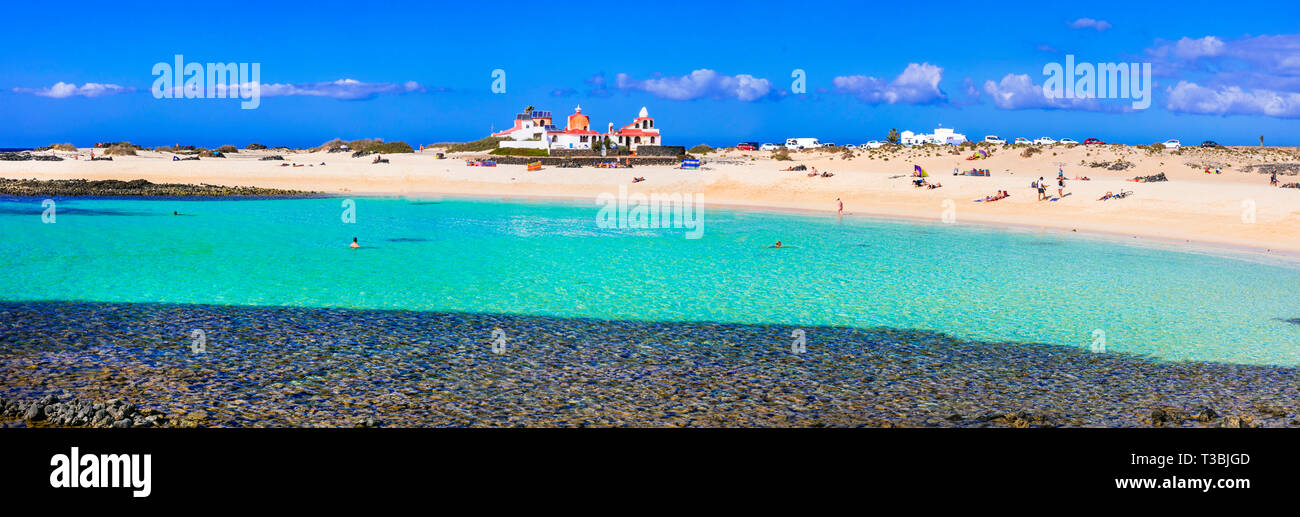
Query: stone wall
[(673, 151), (622, 151), (661, 150)]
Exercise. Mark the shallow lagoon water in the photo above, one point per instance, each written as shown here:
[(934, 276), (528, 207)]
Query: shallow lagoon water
[(551, 259), (905, 323)]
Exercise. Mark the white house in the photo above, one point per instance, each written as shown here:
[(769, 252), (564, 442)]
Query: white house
[(577, 133), (528, 132), (641, 131)]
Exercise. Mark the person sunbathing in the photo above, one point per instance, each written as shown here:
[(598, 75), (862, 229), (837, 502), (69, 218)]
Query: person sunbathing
[(637, 180), (1105, 197), (933, 186)]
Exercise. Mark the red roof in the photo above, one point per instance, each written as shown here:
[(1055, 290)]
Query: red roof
[(628, 130)]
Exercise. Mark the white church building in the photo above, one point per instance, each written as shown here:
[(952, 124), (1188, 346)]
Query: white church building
[(536, 130)]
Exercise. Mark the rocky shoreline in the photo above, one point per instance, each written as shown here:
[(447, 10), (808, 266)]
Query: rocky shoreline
[(135, 188), (301, 367), (50, 411)]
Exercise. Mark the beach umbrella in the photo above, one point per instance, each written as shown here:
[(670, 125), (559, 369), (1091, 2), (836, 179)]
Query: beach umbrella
[(920, 172)]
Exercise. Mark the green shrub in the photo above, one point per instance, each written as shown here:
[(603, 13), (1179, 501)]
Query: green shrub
[(227, 149), (120, 149), (515, 151), (376, 147), (781, 155), (700, 149), (254, 146), (388, 147), (477, 146)]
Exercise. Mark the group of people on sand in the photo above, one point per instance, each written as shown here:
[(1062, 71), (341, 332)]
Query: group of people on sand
[(1042, 185), (1002, 194), (814, 173)]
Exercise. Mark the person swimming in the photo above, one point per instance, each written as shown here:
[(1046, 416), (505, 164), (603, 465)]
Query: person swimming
[(354, 243), (777, 245)]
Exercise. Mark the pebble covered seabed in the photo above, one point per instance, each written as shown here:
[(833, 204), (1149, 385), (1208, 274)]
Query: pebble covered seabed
[(131, 365)]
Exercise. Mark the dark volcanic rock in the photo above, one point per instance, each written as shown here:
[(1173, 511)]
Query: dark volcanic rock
[(138, 187), (288, 366)]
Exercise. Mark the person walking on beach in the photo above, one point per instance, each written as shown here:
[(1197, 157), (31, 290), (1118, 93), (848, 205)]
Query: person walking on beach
[(841, 211), (1060, 187), (1272, 181)]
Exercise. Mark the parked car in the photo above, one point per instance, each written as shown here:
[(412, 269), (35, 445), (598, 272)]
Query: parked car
[(1210, 143), (994, 139), (1093, 141), (829, 144), (1067, 141), (768, 147), (747, 146), (1044, 140), (1172, 144), (850, 146), (1023, 141), (874, 144)]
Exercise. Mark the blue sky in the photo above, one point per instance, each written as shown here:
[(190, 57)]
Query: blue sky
[(421, 71)]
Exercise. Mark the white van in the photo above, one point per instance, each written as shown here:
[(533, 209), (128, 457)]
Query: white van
[(802, 143)]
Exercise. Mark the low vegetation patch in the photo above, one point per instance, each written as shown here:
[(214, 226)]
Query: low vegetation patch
[(57, 147), (700, 149), (477, 146), (374, 147), (120, 149), (515, 151)]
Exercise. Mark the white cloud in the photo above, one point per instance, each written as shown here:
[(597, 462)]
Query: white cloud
[(1018, 91), (1188, 49), (1089, 23), (1188, 97), (344, 89), (918, 84), (62, 90), (700, 84)]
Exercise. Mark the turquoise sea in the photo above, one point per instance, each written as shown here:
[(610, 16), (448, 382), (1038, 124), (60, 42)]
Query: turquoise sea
[(551, 259)]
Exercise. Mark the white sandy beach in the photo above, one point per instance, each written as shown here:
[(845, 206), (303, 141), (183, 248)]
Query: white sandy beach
[(1192, 206)]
